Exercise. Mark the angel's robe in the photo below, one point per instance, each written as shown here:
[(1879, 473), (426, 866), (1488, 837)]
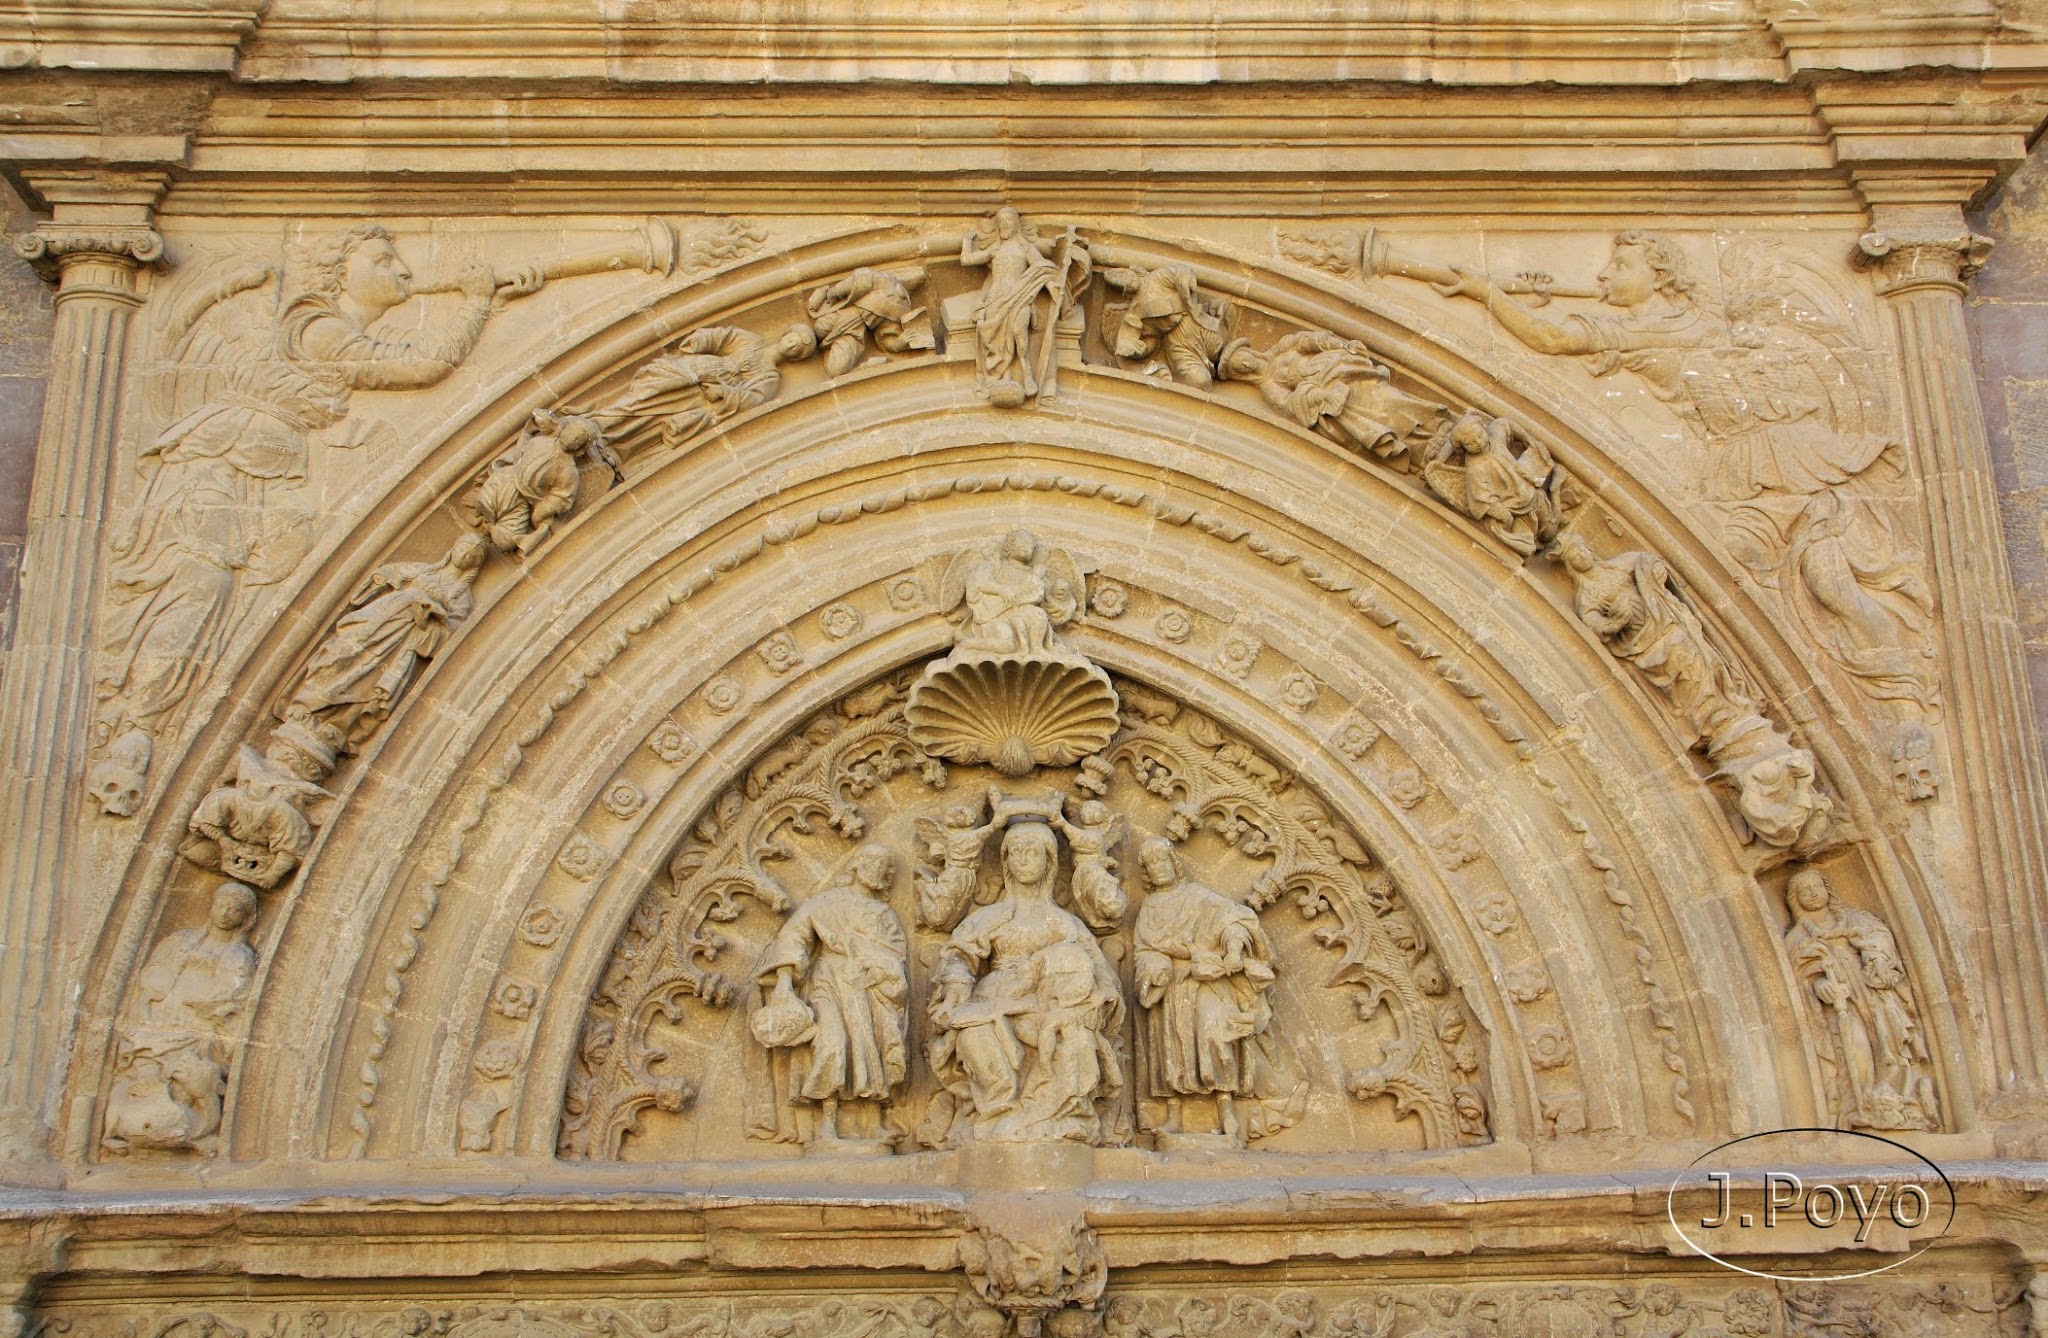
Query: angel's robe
[(1765, 411)]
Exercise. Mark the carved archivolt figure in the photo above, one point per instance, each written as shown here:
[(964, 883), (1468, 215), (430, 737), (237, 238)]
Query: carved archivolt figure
[(1031, 285), (1016, 594), (398, 620), (1203, 969), (1473, 465), (708, 376), (253, 830), (1793, 424), (1634, 604), (222, 509), (1027, 1014), (1876, 1058), (1333, 386), (868, 304), (835, 985), (1168, 315), (954, 849), (1013, 694), (534, 484), (171, 1054), (1091, 834)]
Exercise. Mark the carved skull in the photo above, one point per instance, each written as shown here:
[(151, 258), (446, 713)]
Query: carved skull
[(116, 783), (117, 789), (1913, 773)]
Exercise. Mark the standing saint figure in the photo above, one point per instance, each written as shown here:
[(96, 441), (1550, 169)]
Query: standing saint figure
[(397, 621), (835, 985), (222, 508), (1203, 968), (171, 1053), (1021, 271), (1027, 1013), (1875, 1055)]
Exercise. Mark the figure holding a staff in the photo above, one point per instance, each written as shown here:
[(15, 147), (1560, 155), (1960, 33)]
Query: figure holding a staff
[(1022, 270)]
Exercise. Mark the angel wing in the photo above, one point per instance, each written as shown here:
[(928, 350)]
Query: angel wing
[(930, 839), (1803, 339), (1066, 589), (953, 584), (224, 320)]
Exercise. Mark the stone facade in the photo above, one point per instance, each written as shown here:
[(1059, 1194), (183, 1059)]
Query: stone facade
[(1166, 674)]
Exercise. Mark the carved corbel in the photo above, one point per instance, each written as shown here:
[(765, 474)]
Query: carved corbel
[(1033, 1257)]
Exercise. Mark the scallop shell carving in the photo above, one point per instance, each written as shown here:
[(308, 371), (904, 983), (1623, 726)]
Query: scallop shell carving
[(1012, 712)]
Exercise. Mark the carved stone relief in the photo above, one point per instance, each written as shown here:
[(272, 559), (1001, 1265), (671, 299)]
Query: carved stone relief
[(869, 305), (1633, 603), (1025, 1278), (1030, 1004), (704, 378), (1872, 1044), (1166, 318), (1064, 1052), (1798, 444), (1031, 297), (172, 1051), (835, 994), (256, 359)]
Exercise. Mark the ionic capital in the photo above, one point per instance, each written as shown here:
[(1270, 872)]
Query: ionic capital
[(123, 245)]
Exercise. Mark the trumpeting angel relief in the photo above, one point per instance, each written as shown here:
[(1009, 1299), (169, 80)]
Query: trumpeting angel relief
[(1796, 444), (257, 364)]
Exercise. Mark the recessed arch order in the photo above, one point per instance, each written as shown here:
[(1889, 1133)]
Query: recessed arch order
[(1554, 780)]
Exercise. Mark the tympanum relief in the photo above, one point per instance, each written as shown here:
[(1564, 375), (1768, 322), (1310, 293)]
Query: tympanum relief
[(905, 944), (1028, 762)]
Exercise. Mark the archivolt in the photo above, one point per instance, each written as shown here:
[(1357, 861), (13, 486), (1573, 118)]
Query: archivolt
[(1565, 767)]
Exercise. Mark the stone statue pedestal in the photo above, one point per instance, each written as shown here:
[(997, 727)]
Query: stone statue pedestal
[(849, 1147), (1022, 1167)]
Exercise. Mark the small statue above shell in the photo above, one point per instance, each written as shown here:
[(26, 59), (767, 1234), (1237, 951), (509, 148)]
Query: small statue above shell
[(1013, 693)]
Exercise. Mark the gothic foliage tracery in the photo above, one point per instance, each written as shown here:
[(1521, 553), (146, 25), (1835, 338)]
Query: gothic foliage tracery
[(913, 943)]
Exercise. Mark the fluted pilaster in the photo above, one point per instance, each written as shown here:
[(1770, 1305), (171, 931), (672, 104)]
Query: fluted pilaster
[(2001, 780), (46, 699)]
